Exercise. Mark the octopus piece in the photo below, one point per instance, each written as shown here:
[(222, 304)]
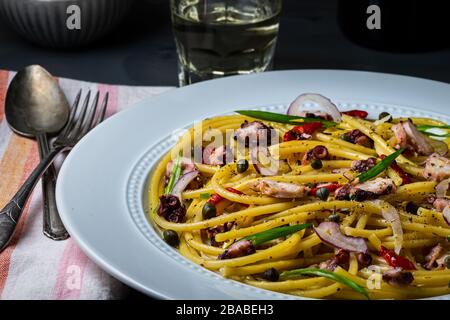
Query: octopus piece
[(398, 277), (410, 138), (343, 193), (281, 190), (316, 153), (437, 168), (363, 165), (432, 256), (255, 131), (400, 135), (212, 232), (366, 191), (238, 249), (216, 156), (378, 186), (357, 137), (341, 258), (372, 189), (170, 208)]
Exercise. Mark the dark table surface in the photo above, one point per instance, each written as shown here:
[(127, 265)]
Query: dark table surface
[(142, 52)]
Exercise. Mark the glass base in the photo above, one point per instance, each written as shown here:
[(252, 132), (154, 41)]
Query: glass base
[(187, 76)]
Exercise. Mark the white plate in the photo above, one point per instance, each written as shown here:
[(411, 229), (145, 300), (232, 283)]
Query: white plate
[(101, 187)]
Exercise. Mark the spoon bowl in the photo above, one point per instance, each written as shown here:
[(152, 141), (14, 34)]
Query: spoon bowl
[(35, 103)]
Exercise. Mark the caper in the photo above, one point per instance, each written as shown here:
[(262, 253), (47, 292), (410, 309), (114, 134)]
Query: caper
[(447, 262), (323, 194), (346, 137), (209, 211), (317, 164), (171, 238), (384, 115), (242, 165), (412, 208), (271, 274), (334, 218)]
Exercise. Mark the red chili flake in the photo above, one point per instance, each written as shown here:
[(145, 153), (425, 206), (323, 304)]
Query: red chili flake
[(235, 191), (396, 261), (303, 131), (356, 113), (215, 199)]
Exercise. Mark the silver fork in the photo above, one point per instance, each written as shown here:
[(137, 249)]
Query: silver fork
[(81, 121)]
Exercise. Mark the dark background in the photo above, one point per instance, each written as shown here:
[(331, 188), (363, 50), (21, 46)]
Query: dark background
[(142, 52)]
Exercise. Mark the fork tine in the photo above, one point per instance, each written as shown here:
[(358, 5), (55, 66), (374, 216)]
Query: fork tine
[(102, 113), (73, 111), (90, 116), (75, 130)]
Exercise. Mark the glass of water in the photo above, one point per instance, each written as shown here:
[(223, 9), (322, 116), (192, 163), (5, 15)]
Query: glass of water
[(217, 38)]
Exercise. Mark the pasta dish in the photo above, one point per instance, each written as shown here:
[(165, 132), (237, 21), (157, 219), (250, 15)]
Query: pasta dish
[(317, 202)]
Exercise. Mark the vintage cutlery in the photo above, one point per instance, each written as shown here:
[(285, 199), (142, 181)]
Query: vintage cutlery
[(81, 120), (36, 106)]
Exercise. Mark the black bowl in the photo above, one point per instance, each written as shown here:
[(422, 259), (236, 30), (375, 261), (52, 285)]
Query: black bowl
[(52, 23)]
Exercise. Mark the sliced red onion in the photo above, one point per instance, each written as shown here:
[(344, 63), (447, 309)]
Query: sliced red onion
[(324, 104), (442, 187), (446, 214), (183, 182), (271, 170), (390, 214), (330, 233)]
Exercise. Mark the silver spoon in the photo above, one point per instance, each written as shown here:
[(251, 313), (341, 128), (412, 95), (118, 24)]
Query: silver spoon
[(35, 106)]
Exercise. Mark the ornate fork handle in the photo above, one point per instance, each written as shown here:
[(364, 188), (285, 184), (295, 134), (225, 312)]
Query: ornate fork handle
[(10, 214)]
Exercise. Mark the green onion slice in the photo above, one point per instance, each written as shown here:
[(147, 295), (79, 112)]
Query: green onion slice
[(283, 118), (275, 233), (380, 166), (176, 173), (326, 274)]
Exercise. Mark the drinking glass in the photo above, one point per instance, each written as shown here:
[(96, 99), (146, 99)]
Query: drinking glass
[(216, 38)]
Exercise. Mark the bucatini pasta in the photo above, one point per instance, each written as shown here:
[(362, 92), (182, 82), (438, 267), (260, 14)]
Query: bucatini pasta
[(315, 203)]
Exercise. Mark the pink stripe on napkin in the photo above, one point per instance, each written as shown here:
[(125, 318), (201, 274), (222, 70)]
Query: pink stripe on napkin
[(112, 100), (69, 279)]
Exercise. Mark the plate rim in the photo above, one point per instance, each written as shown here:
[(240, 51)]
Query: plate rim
[(61, 200)]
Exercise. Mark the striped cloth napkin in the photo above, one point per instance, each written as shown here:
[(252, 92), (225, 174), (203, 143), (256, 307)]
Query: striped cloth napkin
[(33, 266)]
